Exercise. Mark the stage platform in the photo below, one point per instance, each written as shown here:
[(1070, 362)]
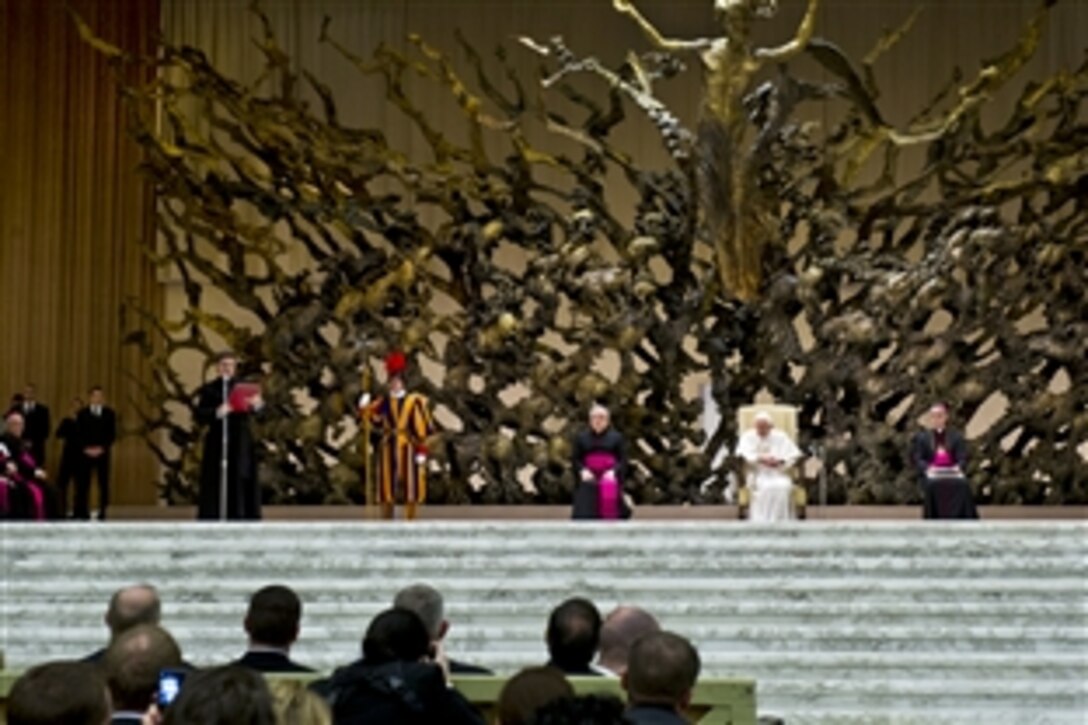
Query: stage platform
[(560, 513), (837, 621)]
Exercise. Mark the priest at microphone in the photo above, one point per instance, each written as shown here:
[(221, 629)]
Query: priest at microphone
[(216, 407)]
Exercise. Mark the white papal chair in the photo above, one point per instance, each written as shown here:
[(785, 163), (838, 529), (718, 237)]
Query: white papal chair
[(784, 418)]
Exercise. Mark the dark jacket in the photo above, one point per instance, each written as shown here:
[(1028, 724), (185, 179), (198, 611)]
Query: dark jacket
[(586, 671), (270, 662), (396, 693), (923, 447), (464, 668), (653, 715), (96, 430)]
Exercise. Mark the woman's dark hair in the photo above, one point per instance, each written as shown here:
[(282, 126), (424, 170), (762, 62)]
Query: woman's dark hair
[(229, 695), (396, 635)]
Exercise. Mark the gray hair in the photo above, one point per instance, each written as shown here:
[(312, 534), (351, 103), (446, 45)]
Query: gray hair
[(598, 408), (426, 602)]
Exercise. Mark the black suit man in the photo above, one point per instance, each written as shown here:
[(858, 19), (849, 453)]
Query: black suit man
[(96, 427), (38, 428), (272, 623)]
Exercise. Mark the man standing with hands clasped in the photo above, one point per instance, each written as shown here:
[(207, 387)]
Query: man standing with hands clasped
[(96, 432)]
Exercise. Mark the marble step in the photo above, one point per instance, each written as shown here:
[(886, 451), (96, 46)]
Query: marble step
[(546, 591), (838, 622), (936, 691), (962, 537), (343, 615), (752, 567), (1007, 714)]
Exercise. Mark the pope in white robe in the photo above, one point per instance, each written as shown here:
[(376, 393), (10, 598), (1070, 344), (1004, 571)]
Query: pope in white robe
[(767, 454)]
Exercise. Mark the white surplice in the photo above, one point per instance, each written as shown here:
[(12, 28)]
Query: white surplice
[(771, 487)]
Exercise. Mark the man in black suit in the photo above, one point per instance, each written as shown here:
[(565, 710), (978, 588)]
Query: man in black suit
[(129, 607), (426, 602), (71, 457), (574, 633), (661, 674), (96, 429), (272, 623), (36, 416), (939, 446), (132, 665)]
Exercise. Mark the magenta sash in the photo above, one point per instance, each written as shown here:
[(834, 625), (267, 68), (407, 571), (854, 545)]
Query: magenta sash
[(943, 459), (599, 464)]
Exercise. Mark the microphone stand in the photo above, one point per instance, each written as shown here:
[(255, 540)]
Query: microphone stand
[(223, 459)]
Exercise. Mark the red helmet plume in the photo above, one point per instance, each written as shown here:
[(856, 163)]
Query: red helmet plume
[(395, 363)]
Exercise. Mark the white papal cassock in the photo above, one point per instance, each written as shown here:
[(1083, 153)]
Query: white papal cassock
[(771, 487)]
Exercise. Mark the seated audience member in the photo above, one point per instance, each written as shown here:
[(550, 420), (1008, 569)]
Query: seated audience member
[(397, 682), (297, 705), (427, 603), (226, 695), (528, 691), (661, 673), (574, 631), (132, 665), (620, 629), (272, 623), (583, 710), (25, 495), (59, 693), (128, 608)]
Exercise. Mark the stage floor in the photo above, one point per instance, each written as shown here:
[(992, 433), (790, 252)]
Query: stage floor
[(557, 513)]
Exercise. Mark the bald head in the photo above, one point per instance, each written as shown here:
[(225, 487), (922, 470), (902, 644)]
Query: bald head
[(133, 606), (620, 629)]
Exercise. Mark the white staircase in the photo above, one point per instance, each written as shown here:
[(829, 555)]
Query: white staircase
[(899, 622)]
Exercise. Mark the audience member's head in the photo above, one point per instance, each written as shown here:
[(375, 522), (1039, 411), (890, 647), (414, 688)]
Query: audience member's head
[(133, 662), (426, 602), (229, 695), (583, 710), (273, 617), (620, 629), (661, 670), (133, 606), (296, 704), (396, 635), (528, 691), (574, 631), (59, 693)]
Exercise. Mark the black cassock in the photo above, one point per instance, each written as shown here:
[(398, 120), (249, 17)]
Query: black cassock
[(243, 489), (586, 504)]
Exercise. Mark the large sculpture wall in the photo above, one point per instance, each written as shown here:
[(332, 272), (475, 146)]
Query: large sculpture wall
[(772, 253)]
